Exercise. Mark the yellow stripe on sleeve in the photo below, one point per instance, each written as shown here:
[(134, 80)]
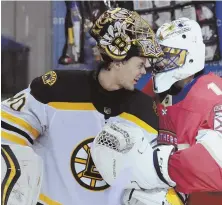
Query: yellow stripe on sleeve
[(139, 122), (72, 106), (15, 120), (13, 138)]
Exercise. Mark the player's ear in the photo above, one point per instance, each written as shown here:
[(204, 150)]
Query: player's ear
[(115, 65)]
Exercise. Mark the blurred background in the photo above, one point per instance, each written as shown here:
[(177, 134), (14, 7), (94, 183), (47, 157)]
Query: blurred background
[(38, 36)]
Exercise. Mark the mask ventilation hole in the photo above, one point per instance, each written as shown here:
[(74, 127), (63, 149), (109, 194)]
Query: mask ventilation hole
[(184, 36), (191, 61)]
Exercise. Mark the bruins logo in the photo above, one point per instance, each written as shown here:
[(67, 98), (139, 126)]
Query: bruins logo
[(83, 168), (49, 78)]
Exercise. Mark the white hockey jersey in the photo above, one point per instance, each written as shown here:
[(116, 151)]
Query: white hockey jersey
[(58, 116)]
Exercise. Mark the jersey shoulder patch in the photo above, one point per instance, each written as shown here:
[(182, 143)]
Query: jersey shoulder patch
[(62, 86), (49, 78)]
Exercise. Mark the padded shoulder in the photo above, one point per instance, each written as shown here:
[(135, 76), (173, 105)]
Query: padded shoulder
[(62, 86)]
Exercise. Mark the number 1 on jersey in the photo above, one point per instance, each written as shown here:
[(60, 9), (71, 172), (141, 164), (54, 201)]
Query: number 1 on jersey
[(214, 88)]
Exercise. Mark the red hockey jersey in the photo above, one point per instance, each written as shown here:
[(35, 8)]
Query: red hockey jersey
[(198, 106)]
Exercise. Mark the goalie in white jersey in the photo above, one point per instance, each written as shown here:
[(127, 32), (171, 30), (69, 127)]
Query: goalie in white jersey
[(61, 112)]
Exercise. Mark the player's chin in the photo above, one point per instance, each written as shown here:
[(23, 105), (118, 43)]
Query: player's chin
[(130, 86)]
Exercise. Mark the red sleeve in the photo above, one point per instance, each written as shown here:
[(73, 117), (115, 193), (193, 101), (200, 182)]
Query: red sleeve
[(194, 170)]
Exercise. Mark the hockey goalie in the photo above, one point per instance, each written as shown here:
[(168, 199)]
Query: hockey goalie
[(189, 109)]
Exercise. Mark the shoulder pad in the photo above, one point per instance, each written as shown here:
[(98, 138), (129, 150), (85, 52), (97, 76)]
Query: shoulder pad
[(61, 86)]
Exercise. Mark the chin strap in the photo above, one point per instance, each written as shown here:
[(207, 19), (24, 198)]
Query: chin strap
[(161, 157)]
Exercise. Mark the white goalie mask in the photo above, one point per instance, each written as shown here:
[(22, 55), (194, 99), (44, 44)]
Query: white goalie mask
[(184, 53)]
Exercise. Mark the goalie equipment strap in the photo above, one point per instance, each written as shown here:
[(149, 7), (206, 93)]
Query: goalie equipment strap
[(131, 194), (157, 167), (160, 160)]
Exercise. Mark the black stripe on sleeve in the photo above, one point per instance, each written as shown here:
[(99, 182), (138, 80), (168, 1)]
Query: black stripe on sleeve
[(17, 130)]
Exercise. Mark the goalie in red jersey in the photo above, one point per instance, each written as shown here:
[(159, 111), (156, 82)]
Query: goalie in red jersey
[(190, 109), (188, 155)]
